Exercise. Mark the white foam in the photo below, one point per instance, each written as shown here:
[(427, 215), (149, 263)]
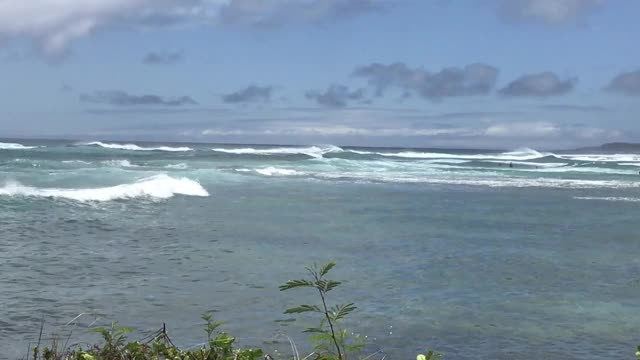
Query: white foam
[(313, 151), (610, 198), (13, 146), (75, 162), (602, 157), (446, 161), (526, 182), (470, 178), (119, 163), (133, 147), (180, 166), (273, 171), (525, 154), (156, 187), (593, 170), (361, 152), (630, 164), (529, 163)]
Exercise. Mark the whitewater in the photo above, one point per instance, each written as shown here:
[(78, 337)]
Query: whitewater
[(159, 187), (482, 254), (105, 171)]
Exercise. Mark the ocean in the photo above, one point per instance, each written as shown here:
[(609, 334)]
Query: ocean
[(478, 254)]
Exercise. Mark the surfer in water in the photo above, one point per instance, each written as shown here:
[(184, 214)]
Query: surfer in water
[(510, 164)]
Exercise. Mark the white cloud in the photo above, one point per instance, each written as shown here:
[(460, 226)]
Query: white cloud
[(517, 132), (522, 129), (548, 11), (338, 130), (55, 23)]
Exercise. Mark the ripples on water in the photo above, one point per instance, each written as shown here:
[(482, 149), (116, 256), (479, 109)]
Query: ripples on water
[(452, 250)]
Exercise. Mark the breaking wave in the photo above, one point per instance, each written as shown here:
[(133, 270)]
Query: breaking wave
[(12, 146), (505, 182), (133, 147), (522, 155), (180, 166), (155, 187), (312, 151), (119, 163), (602, 157), (273, 171), (608, 198)]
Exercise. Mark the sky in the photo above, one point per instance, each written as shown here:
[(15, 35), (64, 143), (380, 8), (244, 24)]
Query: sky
[(548, 74)]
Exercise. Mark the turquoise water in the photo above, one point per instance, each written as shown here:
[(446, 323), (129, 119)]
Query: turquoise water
[(448, 249)]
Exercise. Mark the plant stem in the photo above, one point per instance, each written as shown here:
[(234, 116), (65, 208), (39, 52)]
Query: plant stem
[(326, 314)]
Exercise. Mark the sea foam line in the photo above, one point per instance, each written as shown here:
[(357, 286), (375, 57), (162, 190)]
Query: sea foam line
[(313, 151), (119, 163), (608, 198), (523, 154), (155, 187), (13, 146), (134, 147)]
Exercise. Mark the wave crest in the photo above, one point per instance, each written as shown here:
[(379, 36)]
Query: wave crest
[(155, 187), (274, 171), (134, 147), (521, 154), (312, 151), (13, 146), (119, 163)]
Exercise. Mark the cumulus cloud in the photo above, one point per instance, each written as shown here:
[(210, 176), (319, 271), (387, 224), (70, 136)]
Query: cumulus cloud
[(252, 93), (162, 58), (336, 96), (627, 83), (121, 98), (473, 79), (547, 11), (55, 23), (539, 85)]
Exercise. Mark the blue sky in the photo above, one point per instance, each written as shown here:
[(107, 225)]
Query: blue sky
[(458, 73)]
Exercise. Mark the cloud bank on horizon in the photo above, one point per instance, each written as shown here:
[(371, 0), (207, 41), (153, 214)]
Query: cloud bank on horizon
[(378, 72)]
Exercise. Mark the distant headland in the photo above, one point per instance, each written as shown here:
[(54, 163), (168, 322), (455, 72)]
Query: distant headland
[(614, 147)]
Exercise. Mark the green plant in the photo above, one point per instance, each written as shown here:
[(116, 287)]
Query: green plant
[(210, 326), (114, 338), (327, 335), (431, 355), (332, 342), (115, 347)]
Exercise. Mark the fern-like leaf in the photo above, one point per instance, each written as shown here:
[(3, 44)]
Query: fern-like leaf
[(302, 309), (316, 330), (327, 285), (326, 267), (343, 311), (292, 284)]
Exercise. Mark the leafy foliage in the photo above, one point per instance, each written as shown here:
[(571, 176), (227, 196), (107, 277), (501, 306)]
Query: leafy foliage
[(327, 336), (331, 341), (430, 355), (211, 326)]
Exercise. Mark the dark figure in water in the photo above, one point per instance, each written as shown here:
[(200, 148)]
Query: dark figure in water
[(510, 164)]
